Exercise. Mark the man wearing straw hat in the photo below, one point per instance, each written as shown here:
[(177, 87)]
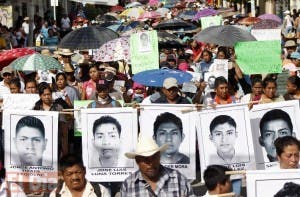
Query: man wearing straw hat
[(153, 179)]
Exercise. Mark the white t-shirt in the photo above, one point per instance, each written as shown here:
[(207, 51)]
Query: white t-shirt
[(65, 23)]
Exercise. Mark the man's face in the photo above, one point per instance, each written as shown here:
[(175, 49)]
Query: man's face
[(222, 90), (30, 88), (289, 159), (271, 131), (30, 146), (107, 140), (7, 77), (74, 178), (149, 166), (169, 133), (224, 136), (171, 93)]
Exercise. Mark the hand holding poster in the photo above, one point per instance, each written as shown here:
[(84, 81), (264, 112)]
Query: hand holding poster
[(259, 57), (31, 145), (144, 51), (107, 133)]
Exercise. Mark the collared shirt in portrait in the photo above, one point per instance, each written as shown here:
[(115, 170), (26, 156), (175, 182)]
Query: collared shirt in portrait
[(88, 191), (15, 189), (171, 183)]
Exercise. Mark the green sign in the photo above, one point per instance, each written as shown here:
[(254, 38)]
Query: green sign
[(78, 105), (259, 57), (144, 51), (210, 21)]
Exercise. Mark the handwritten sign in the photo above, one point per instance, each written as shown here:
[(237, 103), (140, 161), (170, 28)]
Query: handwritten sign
[(266, 34), (210, 21), (144, 51), (259, 57)]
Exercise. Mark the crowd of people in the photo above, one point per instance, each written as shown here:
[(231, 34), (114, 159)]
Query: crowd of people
[(85, 79)]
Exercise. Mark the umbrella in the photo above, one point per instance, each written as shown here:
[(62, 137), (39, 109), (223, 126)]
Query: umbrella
[(114, 50), (162, 11), (156, 77), (107, 18), (36, 62), (117, 8), (165, 37), (133, 12), (205, 12), (223, 35), (8, 56), (175, 24), (270, 17), (249, 20), (266, 24), (149, 15), (153, 2), (133, 5), (187, 14), (128, 26), (91, 37)]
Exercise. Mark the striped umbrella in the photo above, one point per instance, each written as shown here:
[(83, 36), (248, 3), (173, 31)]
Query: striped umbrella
[(35, 62)]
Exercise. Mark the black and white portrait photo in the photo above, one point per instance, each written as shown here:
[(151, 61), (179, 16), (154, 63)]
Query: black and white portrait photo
[(224, 137), (273, 183), (144, 42), (168, 125), (30, 140), (270, 121), (106, 135)]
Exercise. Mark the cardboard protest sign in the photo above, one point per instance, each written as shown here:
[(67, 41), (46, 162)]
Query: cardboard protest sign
[(267, 183), (268, 122), (266, 34), (31, 145), (107, 134), (168, 124), (144, 51), (210, 21), (259, 57), (224, 137)]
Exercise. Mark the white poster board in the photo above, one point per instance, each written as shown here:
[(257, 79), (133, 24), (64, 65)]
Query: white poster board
[(170, 124), (268, 115), (266, 34), (107, 134), (20, 101), (224, 137), (31, 145), (262, 183)]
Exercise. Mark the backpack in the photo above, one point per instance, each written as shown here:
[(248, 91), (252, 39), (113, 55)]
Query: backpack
[(96, 188)]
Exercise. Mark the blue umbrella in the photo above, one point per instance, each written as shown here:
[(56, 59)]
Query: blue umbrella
[(156, 77)]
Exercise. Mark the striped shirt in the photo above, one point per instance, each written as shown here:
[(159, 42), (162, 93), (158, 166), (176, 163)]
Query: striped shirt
[(170, 184)]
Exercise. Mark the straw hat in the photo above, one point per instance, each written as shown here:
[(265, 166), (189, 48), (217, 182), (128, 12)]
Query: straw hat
[(68, 68), (65, 52), (6, 69), (146, 147), (46, 52)]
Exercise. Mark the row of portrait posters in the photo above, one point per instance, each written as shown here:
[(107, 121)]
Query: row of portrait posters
[(31, 145), (230, 135)]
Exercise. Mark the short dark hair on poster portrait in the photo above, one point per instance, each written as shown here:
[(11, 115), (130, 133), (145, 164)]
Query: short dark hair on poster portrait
[(106, 120), (30, 121), (167, 117), (221, 119)]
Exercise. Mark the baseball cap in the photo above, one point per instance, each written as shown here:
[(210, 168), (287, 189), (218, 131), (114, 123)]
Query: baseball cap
[(170, 82)]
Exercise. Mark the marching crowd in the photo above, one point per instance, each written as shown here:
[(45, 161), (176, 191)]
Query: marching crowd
[(84, 79)]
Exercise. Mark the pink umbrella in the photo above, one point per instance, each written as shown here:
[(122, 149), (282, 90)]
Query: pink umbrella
[(154, 2), (114, 50), (149, 15), (270, 17), (6, 57)]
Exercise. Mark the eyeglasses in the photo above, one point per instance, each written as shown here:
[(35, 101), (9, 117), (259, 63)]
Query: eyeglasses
[(6, 74)]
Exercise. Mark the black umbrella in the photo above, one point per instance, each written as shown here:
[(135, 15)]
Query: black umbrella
[(172, 24), (167, 40), (223, 35), (91, 37)]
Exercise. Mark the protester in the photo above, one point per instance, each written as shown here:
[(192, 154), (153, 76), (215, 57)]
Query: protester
[(256, 93), (292, 88), (103, 99), (269, 91), (6, 74), (152, 178), (74, 182), (89, 87)]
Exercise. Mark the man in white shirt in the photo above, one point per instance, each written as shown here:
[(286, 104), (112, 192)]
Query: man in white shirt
[(6, 74), (65, 23)]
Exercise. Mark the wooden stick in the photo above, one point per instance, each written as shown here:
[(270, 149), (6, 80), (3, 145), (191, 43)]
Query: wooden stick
[(226, 195), (235, 172), (66, 112)]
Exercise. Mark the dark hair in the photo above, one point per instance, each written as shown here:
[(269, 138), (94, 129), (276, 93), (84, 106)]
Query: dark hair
[(93, 66), (268, 80), (30, 80), (225, 51), (289, 189), (167, 117), (42, 87), (15, 81), (221, 119), (70, 160), (207, 51), (101, 87), (219, 81), (106, 120), (256, 80), (214, 175), (30, 121), (282, 142), (275, 114), (295, 80), (60, 74)]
